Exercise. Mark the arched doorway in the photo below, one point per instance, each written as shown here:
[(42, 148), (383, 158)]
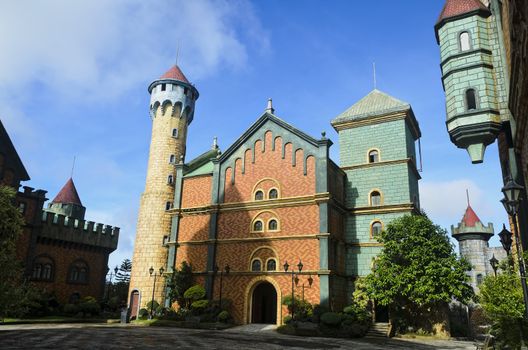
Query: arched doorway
[(134, 304), (264, 304)]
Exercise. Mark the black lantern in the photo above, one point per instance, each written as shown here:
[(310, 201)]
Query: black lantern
[(151, 270), (494, 264), (300, 265), (227, 269), (215, 269), (506, 239), (161, 270), (512, 195), (286, 266), (310, 280)]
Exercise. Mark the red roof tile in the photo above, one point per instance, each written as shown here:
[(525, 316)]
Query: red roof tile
[(454, 8), (176, 74), (470, 218), (68, 194)]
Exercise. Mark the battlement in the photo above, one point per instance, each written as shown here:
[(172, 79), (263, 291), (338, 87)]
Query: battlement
[(165, 93), (66, 228), (478, 229), (31, 192)]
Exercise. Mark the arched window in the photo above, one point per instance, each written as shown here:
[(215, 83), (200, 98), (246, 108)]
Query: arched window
[(169, 179), (257, 226), (272, 225), (373, 156), (259, 195), (172, 159), (375, 198), (471, 99), (42, 268), (78, 272), (174, 132), (479, 279), (375, 228), (256, 265), (271, 265), (273, 194), (464, 41)]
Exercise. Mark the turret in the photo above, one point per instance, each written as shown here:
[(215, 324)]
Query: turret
[(172, 99), (467, 40), (67, 202)]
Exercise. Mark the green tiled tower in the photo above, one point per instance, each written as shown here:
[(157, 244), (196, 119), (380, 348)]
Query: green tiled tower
[(472, 75), (377, 151)]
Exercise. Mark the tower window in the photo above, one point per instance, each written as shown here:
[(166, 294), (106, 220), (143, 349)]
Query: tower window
[(174, 132), (479, 279), (471, 99), (172, 159), (170, 179), (272, 225), (186, 91), (375, 228), (273, 194), (163, 87), (257, 226), (259, 195), (375, 198), (168, 205), (465, 44), (256, 265), (373, 156), (271, 265)]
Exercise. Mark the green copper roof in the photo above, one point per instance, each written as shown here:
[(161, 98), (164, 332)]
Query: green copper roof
[(376, 103), (202, 164)]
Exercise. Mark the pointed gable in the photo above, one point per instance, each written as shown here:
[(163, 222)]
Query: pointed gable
[(176, 74), (68, 194), (470, 218)]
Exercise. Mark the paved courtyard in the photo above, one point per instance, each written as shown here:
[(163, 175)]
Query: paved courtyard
[(82, 336)]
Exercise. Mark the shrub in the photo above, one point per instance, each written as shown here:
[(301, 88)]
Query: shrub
[(199, 306), (152, 305), (143, 314), (358, 313), (287, 319), (223, 316), (194, 293), (89, 306), (318, 310), (331, 319), (71, 309)]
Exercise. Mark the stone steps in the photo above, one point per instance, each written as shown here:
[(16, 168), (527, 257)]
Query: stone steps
[(378, 330)]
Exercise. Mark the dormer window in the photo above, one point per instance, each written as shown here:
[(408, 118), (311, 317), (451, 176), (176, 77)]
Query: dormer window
[(465, 44), (471, 99)]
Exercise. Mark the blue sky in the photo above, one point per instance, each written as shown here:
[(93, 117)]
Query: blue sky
[(74, 78)]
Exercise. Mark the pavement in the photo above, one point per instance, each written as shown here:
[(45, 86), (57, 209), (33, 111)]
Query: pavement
[(104, 336)]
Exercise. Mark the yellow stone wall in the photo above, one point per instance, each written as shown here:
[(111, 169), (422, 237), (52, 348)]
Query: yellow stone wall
[(153, 221)]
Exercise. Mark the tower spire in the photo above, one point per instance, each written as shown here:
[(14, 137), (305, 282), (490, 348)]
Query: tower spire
[(374, 74), (269, 107), (73, 167)]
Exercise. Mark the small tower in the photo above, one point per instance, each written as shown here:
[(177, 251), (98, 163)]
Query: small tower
[(473, 237), (67, 202), (172, 100), (471, 75)]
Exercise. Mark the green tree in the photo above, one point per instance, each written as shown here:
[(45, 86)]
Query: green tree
[(123, 274), (180, 281), (417, 270), (13, 290), (501, 298)]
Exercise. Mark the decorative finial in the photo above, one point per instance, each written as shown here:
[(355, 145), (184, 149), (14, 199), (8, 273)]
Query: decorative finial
[(270, 108), (177, 52), (467, 196), (73, 167), (218, 153), (323, 135), (215, 142), (374, 74)]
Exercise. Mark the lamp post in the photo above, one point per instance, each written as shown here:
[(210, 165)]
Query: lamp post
[(506, 239), (108, 285), (154, 274), (310, 281), (226, 269), (494, 264), (299, 266), (511, 201)]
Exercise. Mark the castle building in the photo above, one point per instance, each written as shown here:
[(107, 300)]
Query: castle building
[(473, 236), (483, 63), (62, 252), (273, 198)]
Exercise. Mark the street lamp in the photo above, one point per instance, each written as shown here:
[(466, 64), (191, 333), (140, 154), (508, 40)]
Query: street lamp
[(511, 201), (153, 274), (494, 264), (299, 266), (506, 239), (108, 286), (310, 281), (226, 269)]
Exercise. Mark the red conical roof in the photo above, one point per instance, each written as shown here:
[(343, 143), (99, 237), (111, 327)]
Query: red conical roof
[(470, 218), (176, 74), (68, 194), (454, 8)]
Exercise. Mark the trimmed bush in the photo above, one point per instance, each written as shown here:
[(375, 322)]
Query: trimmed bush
[(194, 293), (143, 314), (89, 306), (152, 305), (223, 316), (331, 319), (199, 305), (357, 313)]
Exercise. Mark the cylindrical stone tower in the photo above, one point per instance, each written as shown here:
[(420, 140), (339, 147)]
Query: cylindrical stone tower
[(171, 109)]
